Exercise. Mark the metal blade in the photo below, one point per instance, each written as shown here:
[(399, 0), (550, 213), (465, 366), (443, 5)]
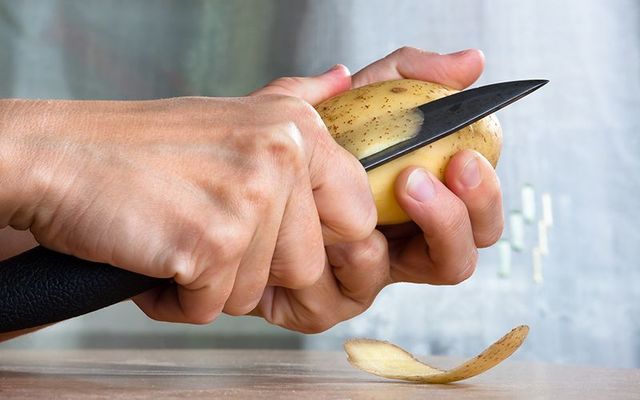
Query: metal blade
[(449, 114)]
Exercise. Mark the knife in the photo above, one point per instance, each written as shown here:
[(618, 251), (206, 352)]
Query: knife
[(41, 286)]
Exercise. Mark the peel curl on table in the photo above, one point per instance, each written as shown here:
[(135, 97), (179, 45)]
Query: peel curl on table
[(390, 361)]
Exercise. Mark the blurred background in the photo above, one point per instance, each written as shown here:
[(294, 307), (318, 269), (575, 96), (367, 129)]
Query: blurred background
[(569, 262)]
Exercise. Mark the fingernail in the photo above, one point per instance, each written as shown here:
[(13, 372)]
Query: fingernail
[(420, 186), (470, 175), (338, 67), (459, 53)]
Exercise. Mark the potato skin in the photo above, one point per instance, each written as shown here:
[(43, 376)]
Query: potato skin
[(370, 118)]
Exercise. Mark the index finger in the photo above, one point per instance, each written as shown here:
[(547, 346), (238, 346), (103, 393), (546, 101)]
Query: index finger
[(340, 186), (342, 194)]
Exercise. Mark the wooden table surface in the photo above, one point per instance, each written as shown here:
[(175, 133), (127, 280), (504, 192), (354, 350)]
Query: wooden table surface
[(250, 374)]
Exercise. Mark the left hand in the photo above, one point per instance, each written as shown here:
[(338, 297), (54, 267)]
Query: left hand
[(450, 220)]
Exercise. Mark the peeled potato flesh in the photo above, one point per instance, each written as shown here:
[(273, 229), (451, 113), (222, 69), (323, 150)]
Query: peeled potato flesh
[(370, 118)]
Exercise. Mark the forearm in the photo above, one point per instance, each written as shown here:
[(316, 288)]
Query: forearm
[(19, 120)]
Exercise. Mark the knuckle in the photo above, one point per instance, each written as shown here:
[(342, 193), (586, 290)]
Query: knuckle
[(367, 252), (492, 220), (307, 276), (304, 114), (406, 51), (358, 230), (309, 113), (241, 309), (316, 318), (492, 202), (245, 299), (466, 269), (220, 242), (363, 219), (203, 317), (226, 244), (284, 146), (491, 235), (287, 83), (178, 266), (455, 221), (300, 108), (302, 274), (206, 309), (367, 219), (317, 325), (257, 192)]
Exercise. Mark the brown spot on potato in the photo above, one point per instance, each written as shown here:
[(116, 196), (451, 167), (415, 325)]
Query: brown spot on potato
[(398, 89)]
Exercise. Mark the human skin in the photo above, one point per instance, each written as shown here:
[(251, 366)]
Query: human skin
[(450, 219), (246, 203)]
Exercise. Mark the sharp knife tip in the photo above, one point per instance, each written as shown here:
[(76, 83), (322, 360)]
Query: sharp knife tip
[(539, 82), (531, 85)]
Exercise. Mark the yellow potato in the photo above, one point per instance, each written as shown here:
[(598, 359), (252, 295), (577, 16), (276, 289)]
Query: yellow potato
[(373, 117)]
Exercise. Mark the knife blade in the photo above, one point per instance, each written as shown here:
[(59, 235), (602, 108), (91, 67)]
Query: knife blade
[(449, 114), (41, 286)]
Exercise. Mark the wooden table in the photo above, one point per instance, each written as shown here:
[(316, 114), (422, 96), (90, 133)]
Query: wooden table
[(249, 374)]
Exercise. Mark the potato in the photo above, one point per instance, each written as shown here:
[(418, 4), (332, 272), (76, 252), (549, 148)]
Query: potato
[(373, 117)]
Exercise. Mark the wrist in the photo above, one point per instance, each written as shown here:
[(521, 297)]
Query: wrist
[(23, 124)]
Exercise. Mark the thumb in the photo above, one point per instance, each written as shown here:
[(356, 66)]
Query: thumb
[(313, 89), (457, 70)]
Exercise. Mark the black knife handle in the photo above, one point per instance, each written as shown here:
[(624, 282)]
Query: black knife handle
[(42, 286)]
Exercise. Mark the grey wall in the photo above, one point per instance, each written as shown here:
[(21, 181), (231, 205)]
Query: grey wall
[(576, 142)]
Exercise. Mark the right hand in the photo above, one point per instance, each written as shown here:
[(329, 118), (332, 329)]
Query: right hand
[(224, 196)]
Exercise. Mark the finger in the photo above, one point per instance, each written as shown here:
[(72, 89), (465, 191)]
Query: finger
[(253, 272), (338, 180), (198, 303), (310, 310), (449, 254), (15, 242), (472, 178), (334, 172), (342, 194), (457, 70), (299, 259), (205, 274), (345, 289), (268, 207), (361, 268), (311, 89)]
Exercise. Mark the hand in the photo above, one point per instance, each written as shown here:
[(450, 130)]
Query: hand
[(15, 242), (450, 220), (224, 196)]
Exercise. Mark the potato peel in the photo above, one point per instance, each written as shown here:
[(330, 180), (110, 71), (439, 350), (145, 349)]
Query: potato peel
[(390, 361)]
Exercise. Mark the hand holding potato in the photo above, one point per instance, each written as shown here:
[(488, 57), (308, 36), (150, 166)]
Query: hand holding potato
[(247, 203), (456, 216), (450, 219)]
